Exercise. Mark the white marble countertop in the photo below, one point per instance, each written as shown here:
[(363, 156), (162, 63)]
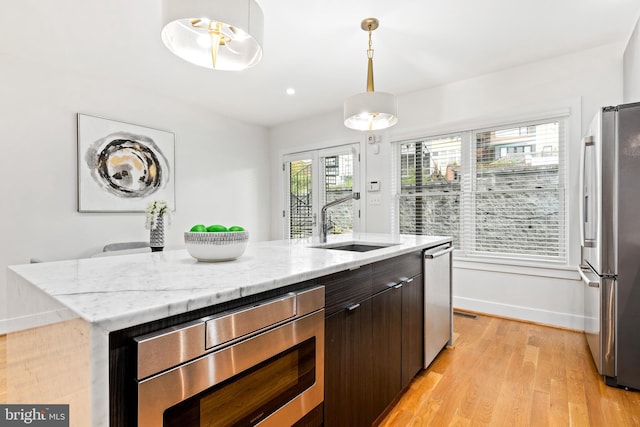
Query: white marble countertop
[(121, 291)]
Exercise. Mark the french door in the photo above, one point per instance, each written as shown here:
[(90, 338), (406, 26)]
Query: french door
[(315, 178)]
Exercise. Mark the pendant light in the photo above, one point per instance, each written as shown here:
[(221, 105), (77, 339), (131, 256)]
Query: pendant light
[(370, 110), (217, 34)]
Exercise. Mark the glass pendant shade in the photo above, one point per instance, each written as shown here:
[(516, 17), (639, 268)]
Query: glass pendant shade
[(217, 34), (371, 111)]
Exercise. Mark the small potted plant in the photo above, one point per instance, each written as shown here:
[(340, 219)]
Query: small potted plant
[(156, 212)]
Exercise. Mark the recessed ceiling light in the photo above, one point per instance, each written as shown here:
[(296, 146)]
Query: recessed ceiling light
[(291, 91)]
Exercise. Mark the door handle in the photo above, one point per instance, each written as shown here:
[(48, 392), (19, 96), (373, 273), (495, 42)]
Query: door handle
[(585, 279), (585, 241), (353, 307)]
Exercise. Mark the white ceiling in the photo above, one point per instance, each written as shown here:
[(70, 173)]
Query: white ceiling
[(314, 46)]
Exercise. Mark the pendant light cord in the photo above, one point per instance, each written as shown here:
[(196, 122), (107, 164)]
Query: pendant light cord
[(370, 64)]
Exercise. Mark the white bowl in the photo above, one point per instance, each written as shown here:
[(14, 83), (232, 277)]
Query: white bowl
[(213, 247)]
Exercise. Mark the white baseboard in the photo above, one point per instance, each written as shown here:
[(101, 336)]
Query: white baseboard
[(546, 317), (3, 327)]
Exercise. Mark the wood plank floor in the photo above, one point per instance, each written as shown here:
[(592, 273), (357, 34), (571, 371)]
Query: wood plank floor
[(509, 373)]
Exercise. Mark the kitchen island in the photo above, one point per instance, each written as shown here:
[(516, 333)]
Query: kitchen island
[(61, 313)]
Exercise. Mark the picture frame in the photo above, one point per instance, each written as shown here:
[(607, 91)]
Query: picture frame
[(123, 166)]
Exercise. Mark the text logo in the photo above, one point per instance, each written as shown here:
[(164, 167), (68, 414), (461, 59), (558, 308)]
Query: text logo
[(34, 415)]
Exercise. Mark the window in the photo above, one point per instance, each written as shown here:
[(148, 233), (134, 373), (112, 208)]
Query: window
[(430, 187), (499, 192)]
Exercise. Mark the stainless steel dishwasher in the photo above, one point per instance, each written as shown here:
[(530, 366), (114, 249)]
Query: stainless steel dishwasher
[(438, 311)]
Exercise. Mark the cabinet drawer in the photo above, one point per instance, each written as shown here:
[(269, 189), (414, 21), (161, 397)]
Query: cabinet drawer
[(395, 270), (346, 288)]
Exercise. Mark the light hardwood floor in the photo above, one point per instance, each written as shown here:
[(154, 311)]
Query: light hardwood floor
[(509, 373)]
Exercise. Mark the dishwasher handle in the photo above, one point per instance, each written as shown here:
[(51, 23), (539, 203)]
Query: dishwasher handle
[(439, 253)]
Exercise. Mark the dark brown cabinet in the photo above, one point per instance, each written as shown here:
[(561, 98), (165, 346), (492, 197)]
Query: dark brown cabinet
[(373, 338), (348, 343), (412, 328), (404, 273), (348, 366), (387, 347)]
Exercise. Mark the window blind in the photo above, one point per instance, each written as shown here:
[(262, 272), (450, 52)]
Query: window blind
[(518, 208), (499, 191), (430, 172)]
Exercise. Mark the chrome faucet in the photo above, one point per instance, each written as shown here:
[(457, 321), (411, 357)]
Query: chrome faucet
[(324, 227)]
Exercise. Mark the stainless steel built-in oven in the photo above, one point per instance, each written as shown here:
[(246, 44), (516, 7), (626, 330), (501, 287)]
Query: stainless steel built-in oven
[(259, 365)]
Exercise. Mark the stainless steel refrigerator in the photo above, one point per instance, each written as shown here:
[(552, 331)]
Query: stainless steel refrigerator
[(610, 234)]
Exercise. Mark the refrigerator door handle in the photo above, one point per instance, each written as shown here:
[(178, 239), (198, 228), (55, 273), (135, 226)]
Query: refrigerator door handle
[(587, 141), (591, 283)]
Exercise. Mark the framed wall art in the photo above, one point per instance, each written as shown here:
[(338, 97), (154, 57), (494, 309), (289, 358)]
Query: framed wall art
[(122, 166)]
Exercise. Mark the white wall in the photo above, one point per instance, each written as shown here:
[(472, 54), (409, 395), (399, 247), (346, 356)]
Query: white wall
[(581, 82), (221, 175), (631, 69)]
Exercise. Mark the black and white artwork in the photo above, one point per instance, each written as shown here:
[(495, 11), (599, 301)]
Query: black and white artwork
[(121, 166)]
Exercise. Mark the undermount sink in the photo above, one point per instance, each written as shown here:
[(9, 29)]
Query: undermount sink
[(354, 246)]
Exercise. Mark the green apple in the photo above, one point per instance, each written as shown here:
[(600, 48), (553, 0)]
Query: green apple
[(216, 228), (198, 228), (236, 228)]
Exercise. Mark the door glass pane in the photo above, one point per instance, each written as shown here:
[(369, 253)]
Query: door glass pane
[(315, 178), (300, 199), (338, 184)]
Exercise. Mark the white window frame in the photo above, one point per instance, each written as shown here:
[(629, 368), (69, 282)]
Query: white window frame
[(467, 184)]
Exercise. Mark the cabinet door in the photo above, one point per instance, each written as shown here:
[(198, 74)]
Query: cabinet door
[(412, 328), (346, 288), (387, 347), (348, 367)]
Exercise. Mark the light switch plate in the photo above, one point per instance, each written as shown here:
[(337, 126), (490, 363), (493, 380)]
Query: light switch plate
[(373, 186)]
